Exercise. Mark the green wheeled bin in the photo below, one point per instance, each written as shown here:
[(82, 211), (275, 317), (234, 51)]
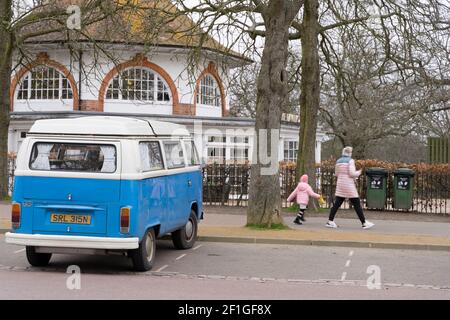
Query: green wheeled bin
[(403, 188), (376, 188)]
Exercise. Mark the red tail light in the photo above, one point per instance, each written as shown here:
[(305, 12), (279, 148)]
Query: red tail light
[(15, 215), (125, 220)]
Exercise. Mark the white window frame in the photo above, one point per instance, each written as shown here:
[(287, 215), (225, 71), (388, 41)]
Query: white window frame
[(28, 81), (293, 149), (243, 157), (217, 139), (209, 91), (221, 158), (242, 143), (115, 87)]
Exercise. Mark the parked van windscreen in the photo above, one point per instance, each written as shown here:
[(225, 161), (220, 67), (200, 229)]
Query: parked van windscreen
[(73, 157)]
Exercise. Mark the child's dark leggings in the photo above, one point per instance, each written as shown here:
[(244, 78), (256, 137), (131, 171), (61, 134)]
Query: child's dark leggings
[(356, 205)]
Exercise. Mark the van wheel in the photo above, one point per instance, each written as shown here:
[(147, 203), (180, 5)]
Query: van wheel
[(144, 256), (185, 237), (37, 259)]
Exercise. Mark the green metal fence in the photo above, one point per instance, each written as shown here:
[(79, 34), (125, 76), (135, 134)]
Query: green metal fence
[(227, 185)]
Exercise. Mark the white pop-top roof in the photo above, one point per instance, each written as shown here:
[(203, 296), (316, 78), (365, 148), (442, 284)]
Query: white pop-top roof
[(110, 126)]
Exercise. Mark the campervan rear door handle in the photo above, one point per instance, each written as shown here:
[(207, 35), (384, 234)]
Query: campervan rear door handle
[(189, 183)]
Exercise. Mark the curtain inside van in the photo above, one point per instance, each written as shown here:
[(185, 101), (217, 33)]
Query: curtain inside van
[(109, 158), (151, 157), (42, 161), (73, 157)]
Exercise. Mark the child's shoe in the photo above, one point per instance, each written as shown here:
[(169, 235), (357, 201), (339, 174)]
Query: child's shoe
[(297, 221)]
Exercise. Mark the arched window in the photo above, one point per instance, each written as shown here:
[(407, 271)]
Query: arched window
[(44, 83), (138, 84), (208, 92)]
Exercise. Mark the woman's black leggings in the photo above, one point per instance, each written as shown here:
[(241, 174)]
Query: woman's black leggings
[(356, 205)]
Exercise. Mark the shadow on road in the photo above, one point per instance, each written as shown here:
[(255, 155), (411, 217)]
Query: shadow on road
[(102, 264)]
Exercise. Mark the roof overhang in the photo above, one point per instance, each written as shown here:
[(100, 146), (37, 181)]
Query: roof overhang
[(233, 60), (183, 120)]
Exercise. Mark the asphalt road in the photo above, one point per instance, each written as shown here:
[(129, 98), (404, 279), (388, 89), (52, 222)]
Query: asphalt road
[(234, 271)]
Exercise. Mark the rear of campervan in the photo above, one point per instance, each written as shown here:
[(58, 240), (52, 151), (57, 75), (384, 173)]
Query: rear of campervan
[(102, 185)]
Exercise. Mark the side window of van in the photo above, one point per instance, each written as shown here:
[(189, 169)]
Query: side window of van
[(174, 154), (77, 157), (191, 153), (151, 156)]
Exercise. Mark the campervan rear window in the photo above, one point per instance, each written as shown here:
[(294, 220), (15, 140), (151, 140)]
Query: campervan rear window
[(49, 156)]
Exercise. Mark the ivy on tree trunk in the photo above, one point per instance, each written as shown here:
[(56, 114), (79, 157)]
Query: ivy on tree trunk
[(264, 193), (6, 49), (310, 92)]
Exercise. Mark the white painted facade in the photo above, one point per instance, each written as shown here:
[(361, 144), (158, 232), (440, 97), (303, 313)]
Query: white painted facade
[(174, 62), (96, 66), (201, 129)]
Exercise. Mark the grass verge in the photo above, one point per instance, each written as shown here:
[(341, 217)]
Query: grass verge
[(294, 209), (277, 226)]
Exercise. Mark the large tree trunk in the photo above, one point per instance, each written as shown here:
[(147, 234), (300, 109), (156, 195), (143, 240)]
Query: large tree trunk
[(310, 92), (264, 195), (6, 48)]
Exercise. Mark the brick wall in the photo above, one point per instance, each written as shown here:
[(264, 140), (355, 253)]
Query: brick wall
[(90, 105), (184, 109)]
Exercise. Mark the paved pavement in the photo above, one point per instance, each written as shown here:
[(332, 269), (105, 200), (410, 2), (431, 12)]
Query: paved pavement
[(5, 216), (218, 225), (214, 217)]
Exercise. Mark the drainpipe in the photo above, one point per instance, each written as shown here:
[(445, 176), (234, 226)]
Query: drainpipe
[(80, 67)]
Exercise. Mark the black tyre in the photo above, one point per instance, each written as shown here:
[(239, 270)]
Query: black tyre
[(144, 256), (37, 259), (185, 237)]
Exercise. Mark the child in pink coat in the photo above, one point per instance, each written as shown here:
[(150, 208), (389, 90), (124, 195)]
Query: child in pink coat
[(301, 195)]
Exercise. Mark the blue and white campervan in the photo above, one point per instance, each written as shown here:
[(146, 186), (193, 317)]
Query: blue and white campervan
[(100, 185)]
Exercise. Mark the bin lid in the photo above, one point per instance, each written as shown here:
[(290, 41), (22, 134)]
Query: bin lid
[(404, 172), (376, 171)]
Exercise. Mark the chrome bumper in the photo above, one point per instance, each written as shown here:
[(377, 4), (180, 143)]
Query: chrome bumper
[(56, 241)]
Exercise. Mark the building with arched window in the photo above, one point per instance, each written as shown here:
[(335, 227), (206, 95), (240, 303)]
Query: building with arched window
[(129, 78)]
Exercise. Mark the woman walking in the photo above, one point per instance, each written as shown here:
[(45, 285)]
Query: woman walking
[(346, 173)]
